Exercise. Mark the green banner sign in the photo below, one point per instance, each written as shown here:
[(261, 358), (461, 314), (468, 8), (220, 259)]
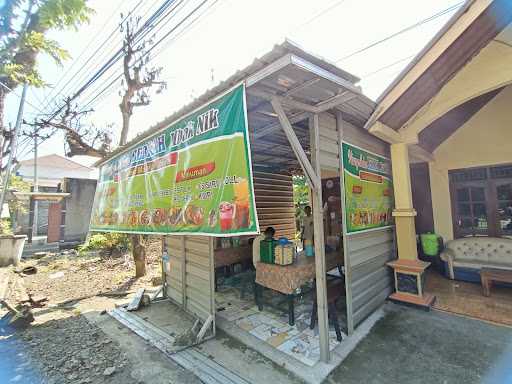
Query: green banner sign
[(368, 189), (194, 177)]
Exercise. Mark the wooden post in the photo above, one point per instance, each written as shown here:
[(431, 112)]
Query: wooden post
[(313, 178), (313, 174), (183, 273), (318, 224), (346, 255)]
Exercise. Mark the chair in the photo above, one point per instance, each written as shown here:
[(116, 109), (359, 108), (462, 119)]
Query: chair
[(335, 290)]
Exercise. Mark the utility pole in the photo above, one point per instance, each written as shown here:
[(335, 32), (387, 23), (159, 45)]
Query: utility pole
[(14, 143), (36, 187)]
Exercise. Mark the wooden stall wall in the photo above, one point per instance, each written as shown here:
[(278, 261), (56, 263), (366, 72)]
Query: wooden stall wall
[(274, 203), (189, 275), (174, 271), (329, 142), (369, 277), (368, 280), (199, 276)]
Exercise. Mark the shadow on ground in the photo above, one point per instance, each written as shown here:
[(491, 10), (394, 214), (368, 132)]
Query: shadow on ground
[(414, 346)]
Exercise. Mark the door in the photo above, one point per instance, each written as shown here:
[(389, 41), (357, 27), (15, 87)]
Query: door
[(54, 221)]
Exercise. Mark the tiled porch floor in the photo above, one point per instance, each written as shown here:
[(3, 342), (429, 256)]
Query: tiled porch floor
[(467, 299), (271, 324)]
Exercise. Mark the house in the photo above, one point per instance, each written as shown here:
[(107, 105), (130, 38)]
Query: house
[(448, 120), (51, 169), (65, 221)]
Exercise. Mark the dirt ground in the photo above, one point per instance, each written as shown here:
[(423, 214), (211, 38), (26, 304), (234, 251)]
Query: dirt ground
[(61, 345), (66, 276)]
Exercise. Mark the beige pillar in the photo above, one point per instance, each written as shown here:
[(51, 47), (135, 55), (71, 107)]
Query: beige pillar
[(404, 212), (408, 269)]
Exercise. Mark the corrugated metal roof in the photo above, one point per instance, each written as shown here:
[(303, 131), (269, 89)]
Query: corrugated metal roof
[(278, 51)]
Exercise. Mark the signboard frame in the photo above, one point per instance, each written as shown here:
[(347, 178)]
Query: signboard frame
[(254, 228), (346, 231)]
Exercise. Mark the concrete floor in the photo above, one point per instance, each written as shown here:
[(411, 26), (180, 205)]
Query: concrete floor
[(414, 346)]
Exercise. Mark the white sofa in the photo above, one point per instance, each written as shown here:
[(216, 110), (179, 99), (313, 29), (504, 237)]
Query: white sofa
[(465, 257)]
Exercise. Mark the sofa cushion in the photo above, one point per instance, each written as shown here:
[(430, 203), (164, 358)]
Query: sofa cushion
[(484, 250), (500, 254)]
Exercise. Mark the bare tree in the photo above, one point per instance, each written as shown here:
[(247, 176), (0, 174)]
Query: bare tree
[(138, 80), (138, 77), (81, 138)]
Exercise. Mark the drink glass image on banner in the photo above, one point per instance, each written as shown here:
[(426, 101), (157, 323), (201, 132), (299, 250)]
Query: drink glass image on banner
[(241, 189), (226, 213)]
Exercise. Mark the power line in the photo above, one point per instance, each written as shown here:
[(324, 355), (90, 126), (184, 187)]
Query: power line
[(415, 25), (86, 67), (26, 101), (185, 29), (380, 69), (144, 32), (317, 15), (118, 55), (189, 15), (119, 75), (95, 37)]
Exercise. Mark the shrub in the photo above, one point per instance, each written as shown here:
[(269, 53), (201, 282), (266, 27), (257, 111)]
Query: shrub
[(107, 242)]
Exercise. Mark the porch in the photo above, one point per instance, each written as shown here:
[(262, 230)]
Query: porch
[(447, 118)]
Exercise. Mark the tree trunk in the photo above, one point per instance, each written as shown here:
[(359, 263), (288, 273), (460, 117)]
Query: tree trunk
[(126, 126), (139, 255), (2, 107)]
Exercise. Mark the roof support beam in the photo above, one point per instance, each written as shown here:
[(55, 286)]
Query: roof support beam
[(274, 126), (284, 100), (335, 101), (319, 108), (309, 172), (385, 133), (417, 152)]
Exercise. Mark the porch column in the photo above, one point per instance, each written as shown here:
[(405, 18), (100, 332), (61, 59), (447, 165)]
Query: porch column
[(408, 269)]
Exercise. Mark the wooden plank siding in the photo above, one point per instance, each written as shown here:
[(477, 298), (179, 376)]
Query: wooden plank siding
[(370, 278), (329, 143), (190, 279), (274, 203)]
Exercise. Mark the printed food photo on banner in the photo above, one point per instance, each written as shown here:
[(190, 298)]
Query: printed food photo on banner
[(368, 189), (194, 176)]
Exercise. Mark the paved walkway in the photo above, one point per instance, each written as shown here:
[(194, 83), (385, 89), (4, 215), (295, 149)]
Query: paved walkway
[(416, 347)]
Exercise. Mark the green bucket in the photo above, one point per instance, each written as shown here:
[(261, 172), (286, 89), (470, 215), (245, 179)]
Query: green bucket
[(430, 244)]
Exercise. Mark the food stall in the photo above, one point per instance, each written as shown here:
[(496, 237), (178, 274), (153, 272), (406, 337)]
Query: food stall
[(221, 169)]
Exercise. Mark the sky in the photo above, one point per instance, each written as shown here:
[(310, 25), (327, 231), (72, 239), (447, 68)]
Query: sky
[(227, 36)]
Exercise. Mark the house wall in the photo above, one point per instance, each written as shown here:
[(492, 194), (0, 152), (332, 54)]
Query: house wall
[(78, 207), (52, 175), (484, 140)]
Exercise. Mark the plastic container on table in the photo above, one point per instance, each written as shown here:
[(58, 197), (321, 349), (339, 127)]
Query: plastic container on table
[(309, 248), (267, 251), (284, 253)]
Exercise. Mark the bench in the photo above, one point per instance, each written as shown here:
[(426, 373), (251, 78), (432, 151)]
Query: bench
[(490, 275)]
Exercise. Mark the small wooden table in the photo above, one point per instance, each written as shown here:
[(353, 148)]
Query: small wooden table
[(287, 278), (490, 275)]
